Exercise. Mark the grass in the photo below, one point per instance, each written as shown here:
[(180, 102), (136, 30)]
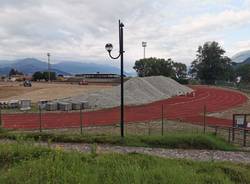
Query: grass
[(24, 163), (170, 140)]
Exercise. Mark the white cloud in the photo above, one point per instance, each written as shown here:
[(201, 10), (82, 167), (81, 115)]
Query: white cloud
[(79, 29), (242, 45), (217, 22)]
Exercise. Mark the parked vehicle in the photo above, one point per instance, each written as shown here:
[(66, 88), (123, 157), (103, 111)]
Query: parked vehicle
[(27, 83), (83, 82)]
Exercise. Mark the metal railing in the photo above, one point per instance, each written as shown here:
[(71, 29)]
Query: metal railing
[(240, 136)]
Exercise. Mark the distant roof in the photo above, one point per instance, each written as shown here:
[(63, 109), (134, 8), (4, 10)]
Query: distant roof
[(98, 75)]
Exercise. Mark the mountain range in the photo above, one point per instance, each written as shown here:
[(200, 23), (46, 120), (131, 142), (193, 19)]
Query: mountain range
[(241, 56), (32, 65), (247, 61)]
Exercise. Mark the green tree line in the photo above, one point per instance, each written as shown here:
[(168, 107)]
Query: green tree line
[(155, 66), (210, 65), (38, 76)]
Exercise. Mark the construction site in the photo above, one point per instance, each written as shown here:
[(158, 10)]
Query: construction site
[(149, 99), (124, 92)]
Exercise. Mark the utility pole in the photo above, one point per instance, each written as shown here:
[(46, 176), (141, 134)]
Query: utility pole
[(48, 54)]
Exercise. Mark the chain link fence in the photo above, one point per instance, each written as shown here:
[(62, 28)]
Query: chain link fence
[(155, 120), (148, 121), (239, 86)]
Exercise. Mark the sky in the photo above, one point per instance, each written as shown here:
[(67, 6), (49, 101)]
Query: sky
[(77, 30)]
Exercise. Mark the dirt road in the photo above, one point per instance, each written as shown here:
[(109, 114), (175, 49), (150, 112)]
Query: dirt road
[(44, 91)]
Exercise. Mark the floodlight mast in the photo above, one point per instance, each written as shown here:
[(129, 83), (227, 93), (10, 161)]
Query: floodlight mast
[(144, 45)]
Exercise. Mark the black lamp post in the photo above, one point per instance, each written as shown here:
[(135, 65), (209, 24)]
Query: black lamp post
[(109, 48)]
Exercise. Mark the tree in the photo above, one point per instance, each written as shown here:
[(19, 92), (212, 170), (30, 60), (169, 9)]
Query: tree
[(180, 70), (46, 76), (244, 72), (14, 72), (211, 64), (154, 66), (37, 76)]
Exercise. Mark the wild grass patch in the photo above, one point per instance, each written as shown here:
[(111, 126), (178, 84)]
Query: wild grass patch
[(171, 140), (29, 164)]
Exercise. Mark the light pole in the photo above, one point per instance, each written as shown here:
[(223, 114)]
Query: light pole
[(109, 48), (48, 54), (144, 45)]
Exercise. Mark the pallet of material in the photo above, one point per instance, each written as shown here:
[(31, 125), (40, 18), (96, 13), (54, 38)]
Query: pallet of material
[(25, 105), (42, 104), (85, 104), (3, 104), (64, 106), (51, 106), (76, 105), (13, 104)]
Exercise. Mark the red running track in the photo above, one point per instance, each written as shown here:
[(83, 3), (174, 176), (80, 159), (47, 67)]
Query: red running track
[(185, 108)]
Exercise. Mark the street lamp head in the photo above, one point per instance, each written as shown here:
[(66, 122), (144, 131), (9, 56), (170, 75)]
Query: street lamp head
[(144, 44), (109, 47), (121, 24)]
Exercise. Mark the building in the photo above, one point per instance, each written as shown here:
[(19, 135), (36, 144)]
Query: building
[(98, 76), (19, 78)]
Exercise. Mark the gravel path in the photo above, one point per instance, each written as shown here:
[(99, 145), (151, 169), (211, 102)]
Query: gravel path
[(198, 155)]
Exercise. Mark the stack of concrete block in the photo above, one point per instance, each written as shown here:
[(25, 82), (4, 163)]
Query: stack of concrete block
[(64, 106), (13, 104), (3, 104), (76, 105), (51, 106), (85, 104), (25, 105), (42, 104)]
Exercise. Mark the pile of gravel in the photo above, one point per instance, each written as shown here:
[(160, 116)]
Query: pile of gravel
[(137, 91)]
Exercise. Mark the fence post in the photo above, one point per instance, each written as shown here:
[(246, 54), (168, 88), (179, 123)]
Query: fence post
[(229, 134), (204, 119), (162, 120), (0, 117), (40, 118), (149, 128), (244, 137), (81, 120), (216, 130), (233, 133)]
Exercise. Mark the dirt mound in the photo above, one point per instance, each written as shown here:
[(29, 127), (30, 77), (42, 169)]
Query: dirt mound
[(137, 91)]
